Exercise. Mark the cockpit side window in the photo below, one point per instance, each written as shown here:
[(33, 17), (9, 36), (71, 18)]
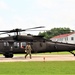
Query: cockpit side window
[(6, 44)]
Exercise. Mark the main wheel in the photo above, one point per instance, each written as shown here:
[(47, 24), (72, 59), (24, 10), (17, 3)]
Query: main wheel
[(8, 54)]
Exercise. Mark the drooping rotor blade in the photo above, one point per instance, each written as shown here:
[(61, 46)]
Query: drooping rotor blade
[(3, 33), (19, 30)]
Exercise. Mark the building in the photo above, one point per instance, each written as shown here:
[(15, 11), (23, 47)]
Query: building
[(65, 38)]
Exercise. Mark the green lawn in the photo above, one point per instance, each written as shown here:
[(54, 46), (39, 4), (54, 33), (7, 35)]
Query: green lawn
[(53, 53), (38, 68)]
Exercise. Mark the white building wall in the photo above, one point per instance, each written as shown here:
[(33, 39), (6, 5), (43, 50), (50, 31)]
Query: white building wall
[(60, 39), (71, 39), (53, 39), (67, 39)]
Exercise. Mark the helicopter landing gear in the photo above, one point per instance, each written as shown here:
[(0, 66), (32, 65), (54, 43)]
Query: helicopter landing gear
[(72, 53), (8, 54)]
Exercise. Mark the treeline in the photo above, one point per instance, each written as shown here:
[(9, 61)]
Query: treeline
[(54, 32)]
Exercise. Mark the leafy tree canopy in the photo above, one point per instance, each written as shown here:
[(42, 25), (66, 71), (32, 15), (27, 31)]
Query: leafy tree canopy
[(54, 32)]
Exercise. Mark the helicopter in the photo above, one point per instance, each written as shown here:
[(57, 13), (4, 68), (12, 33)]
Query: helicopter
[(11, 45)]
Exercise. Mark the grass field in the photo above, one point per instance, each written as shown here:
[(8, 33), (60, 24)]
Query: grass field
[(38, 68), (52, 53)]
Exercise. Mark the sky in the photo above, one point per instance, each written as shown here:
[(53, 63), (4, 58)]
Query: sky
[(31, 13)]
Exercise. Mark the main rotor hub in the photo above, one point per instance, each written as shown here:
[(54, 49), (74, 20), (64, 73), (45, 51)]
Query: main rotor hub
[(16, 30)]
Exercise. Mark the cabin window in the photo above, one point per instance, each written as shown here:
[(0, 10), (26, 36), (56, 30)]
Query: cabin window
[(7, 44), (16, 44), (72, 38), (23, 44)]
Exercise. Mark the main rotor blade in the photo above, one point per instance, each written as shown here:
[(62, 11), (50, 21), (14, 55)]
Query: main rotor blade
[(33, 28), (38, 30), (19, 30)]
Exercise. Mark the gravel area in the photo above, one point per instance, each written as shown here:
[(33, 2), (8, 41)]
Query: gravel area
[(39, 58)]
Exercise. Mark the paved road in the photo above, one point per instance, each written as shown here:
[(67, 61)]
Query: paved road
[(39, 58)]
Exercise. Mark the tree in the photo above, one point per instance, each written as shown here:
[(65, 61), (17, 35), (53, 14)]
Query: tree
[(55, 31)]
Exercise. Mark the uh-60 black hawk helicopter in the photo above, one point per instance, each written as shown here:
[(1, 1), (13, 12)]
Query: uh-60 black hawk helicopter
[(15, 44)]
